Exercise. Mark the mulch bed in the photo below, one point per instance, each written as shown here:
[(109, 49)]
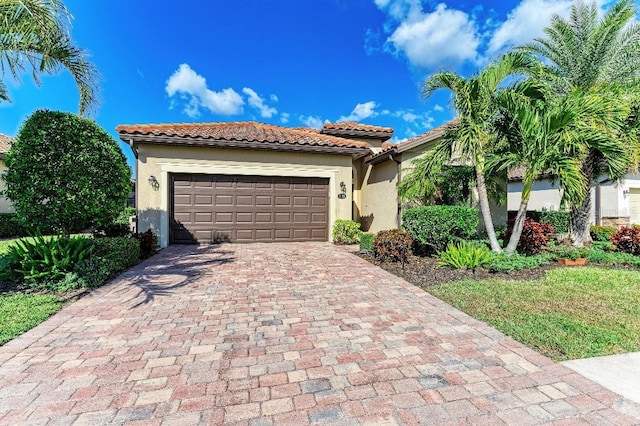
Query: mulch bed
[(425, 272)]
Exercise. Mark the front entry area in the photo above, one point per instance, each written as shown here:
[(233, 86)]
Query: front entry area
[(213, 208)]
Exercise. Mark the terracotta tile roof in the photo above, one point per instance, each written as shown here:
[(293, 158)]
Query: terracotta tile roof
[(517, 173), (237, 132), (5, 143), (357, 127)]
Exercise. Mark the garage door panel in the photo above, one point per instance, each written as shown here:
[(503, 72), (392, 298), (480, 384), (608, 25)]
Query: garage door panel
[(244, 200), (208, 208)]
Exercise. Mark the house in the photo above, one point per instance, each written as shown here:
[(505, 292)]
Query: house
[(5, 145), (613, 203), (248, 181)]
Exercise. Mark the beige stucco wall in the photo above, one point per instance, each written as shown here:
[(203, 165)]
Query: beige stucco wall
[(378, 204), (161, 161), (5, 205)]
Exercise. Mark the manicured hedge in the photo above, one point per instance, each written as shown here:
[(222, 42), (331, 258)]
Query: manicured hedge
[(433, 227), (10, 227), (558, 219)]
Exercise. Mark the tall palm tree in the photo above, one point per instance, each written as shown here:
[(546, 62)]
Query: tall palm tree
[(588, 52), (35, 36), (472, 138), (552, 135)]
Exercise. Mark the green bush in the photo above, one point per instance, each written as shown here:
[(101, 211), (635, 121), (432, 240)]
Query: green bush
[(602, 233), (604, 257), (44, 260), (570, 252), (506, 263), (434, 227), (464, 255), (393, 245), (366, 242), (65, 173), (120, 252), (120, 227), (10, 227), (345, 232), (558, 219)]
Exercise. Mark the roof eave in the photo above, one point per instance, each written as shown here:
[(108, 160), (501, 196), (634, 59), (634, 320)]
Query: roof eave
[(384, 136), (356, 152)]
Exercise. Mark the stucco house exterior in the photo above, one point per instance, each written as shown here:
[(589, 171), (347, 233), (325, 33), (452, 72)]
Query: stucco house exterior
[(254, 182), (613, 204), (5, 145)]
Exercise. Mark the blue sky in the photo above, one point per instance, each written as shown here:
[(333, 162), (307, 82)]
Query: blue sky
[(286, 62)]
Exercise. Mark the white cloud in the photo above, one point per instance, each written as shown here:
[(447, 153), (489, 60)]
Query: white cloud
[(273, 98), (284, 117), (438, 107), (311, 121), (258, 103), (442, 37), (361, 112), (526, 22), (192, 88)]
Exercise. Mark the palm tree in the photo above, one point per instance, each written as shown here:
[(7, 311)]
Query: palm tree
[(472, 138), (35, 36), (588, 53), (552, 135)]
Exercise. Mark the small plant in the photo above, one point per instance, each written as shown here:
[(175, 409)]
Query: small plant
[(569, 252), (627, 240), (605, 257), (148, 242), (535, 236), (602, 233), (366, 242), (464, 255), (506, 263), (46, 259), (346, 232), (393, 245)]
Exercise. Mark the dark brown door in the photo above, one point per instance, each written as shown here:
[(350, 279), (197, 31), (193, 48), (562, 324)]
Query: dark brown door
[(211, 208)]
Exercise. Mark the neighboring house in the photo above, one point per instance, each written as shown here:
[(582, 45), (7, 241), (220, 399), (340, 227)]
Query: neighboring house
[(5, 145), (249, 181), (613, 204)]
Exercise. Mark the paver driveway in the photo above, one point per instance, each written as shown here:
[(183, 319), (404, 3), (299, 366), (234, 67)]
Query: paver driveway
[(283, 334)]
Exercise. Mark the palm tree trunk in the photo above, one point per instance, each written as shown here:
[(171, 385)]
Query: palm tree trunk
[(579, 222), (580, 216), (483, 200), (517, 226)]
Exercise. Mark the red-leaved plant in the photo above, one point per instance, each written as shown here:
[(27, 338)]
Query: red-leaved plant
[(627, 239), (535, 236), (393, 245)]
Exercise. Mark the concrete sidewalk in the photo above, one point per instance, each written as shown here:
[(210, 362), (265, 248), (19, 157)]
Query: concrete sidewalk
[(619, 373)]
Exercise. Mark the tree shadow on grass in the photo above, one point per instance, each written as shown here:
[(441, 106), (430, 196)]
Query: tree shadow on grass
[(173, 268)]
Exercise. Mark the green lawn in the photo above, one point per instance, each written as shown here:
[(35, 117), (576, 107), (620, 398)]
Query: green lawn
[(572, 313), (20, 312)]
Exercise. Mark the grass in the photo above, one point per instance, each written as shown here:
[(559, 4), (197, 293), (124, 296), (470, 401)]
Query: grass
[(21, 312), (572, 313)]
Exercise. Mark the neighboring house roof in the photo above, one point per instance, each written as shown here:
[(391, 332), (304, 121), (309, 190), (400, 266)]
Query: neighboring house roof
[(398, 148), (5, 145), (517, 173), (353, 129), (243, 135)]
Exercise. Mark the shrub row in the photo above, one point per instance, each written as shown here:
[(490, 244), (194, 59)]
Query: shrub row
[(66, 263), (434, 227), (558, 219)]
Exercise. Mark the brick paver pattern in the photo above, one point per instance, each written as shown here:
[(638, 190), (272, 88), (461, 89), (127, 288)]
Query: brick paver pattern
[(286, 334)]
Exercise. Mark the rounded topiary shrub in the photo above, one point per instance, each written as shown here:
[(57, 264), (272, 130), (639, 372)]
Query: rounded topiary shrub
[(65, 173), (392, 245), (433, 227)]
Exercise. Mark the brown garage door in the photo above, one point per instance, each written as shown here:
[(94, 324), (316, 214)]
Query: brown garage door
[(209, 208)]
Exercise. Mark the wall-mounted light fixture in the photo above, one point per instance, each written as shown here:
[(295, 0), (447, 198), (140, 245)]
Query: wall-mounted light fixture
[(626, 193), (343, 191), (154, 182)]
